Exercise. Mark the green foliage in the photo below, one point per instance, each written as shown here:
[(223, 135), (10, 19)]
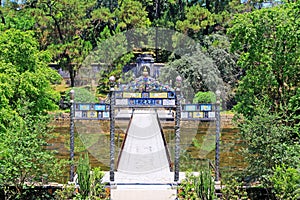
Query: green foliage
[(198, 71), (23, 156), (62, 30), (200, 186), (67, 192), (286, 182), (188, 163), (114, 54), (132, 14), (217, 47), (168, 13), (96, 187), (269, 142), (235, 6), (268, 93), (25, 76), (205, 97), (81, 95), (267, 39), (84, 175), (197, 19), (205, 187), (234, 190), (187, 188), (20, 19), (26, 95), (269, 45)]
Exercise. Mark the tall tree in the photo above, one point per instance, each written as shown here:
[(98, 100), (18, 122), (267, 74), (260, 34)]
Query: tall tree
[(199, 21), (26, 95), (61, 28), (198, 71), (131, 14), (115, 48), (268, 94), (28, 70), (268, 40), (269, 143), (14, 16), (217, 47)]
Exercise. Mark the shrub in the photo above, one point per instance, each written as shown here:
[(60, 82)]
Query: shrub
[(234, 190), (197, 187), (83, 171), (286, 182), (204, 97), (81, 95)]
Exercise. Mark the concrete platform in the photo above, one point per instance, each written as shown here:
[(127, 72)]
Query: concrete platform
[(143, 192), (161, 178), (130, 187)]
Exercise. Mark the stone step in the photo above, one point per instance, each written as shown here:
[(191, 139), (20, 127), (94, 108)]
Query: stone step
[(143, 192)]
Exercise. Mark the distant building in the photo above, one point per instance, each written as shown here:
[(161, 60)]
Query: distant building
[(147, 61), (90, 75)]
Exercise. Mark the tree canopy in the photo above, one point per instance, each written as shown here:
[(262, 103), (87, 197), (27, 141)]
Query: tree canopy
[(26, 96), (25, 74), (268, 41), (251, 52)]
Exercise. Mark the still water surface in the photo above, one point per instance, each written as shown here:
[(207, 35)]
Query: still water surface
[(197, 144)]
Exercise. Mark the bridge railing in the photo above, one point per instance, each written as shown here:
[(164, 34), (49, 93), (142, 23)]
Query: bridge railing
[(201, 112), (145, 100)]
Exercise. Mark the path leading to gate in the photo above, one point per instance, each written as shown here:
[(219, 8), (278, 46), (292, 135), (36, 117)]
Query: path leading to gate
[(143, 168)]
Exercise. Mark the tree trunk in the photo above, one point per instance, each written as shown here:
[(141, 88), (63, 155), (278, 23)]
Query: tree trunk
[(1, 15), (207, 5), (71, 71)]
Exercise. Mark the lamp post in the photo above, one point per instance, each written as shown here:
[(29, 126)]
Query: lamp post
[(218, 123), (112, 80), (72, 135), (177, 128)]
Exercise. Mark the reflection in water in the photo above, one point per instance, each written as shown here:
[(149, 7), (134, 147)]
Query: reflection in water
[(197, 144)]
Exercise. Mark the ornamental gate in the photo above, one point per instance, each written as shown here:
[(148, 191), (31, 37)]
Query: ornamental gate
[(144, 156)]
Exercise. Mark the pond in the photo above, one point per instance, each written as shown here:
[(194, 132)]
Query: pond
[(197, 143)]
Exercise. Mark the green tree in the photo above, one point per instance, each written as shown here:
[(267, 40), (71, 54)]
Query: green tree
[(269, 142), (12, 16), (286, 182), (197, 20), (106, 28), (204, 97), (102, 20), (198, 71), (26, 70), (200, 21), (217, 47), (268, 41), (61, 28), (81, 95), (26, 95), (268, 92), (131, 14), (113, 55), (167, 13), (23, 154)]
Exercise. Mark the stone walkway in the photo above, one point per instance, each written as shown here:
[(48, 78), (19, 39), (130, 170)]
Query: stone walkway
[(143, 169)]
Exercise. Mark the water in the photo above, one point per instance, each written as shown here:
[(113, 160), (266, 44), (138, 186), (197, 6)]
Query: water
[(197, 144)]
